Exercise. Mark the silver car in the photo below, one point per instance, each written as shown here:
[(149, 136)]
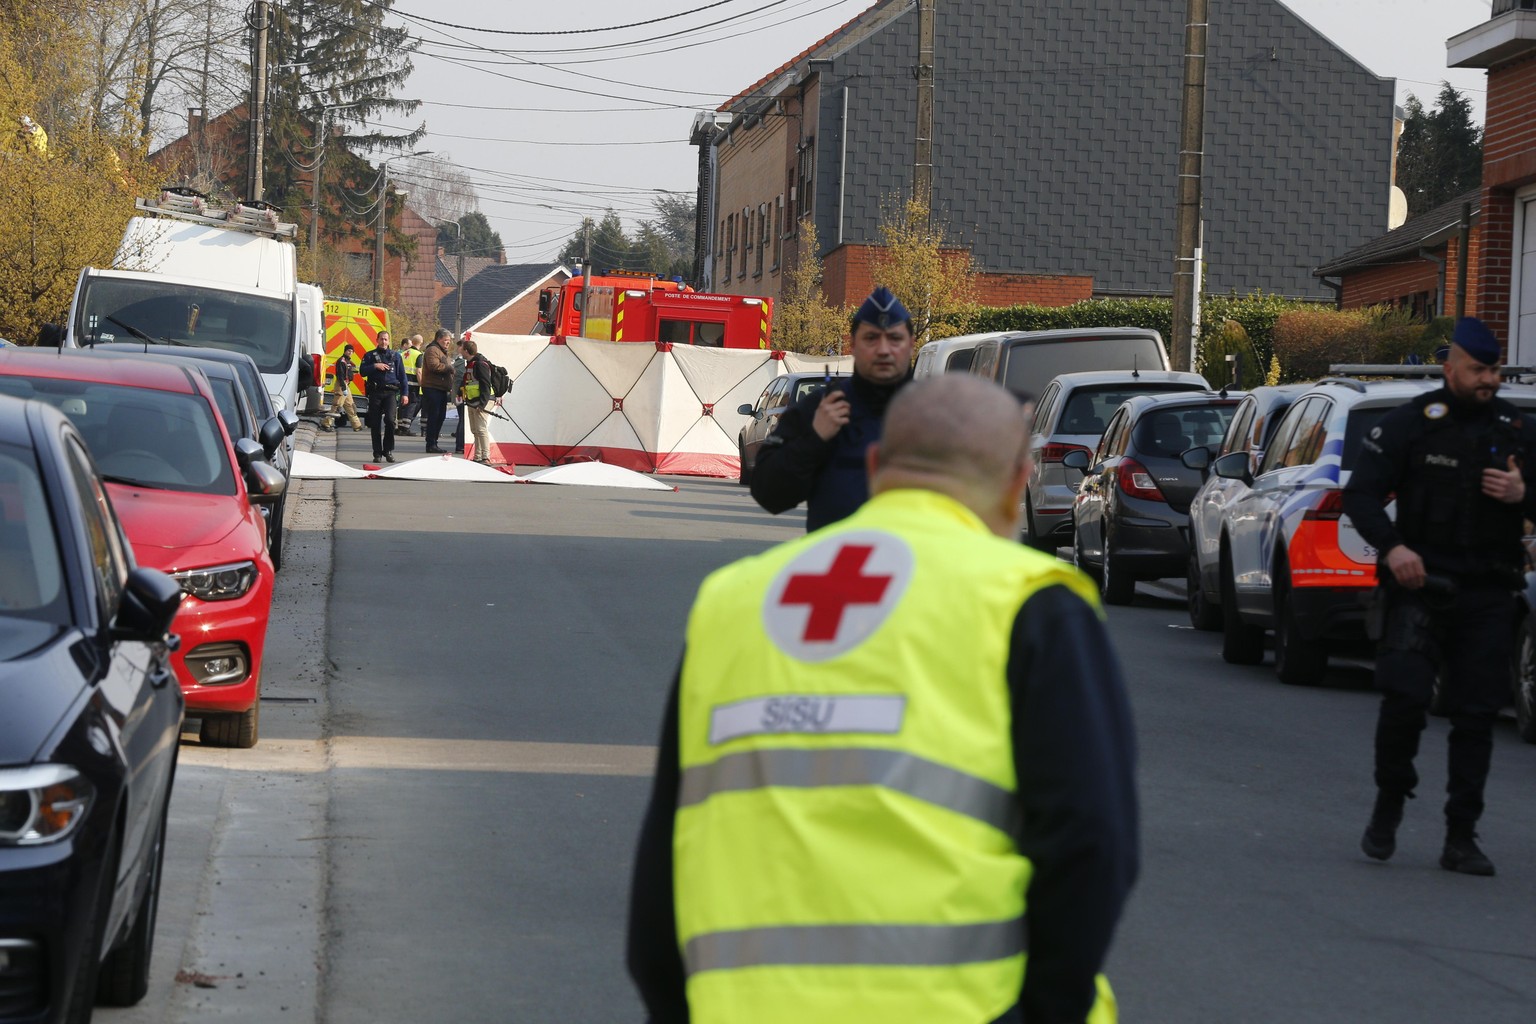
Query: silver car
[(1071, 416)]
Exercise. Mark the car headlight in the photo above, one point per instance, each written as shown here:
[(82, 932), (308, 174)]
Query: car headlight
[(41, 803), (218, 583)]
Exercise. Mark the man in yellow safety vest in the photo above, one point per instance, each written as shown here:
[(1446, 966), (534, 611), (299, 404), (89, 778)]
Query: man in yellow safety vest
[(886, 740)]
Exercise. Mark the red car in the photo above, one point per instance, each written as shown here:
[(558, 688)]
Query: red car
[(189, 501)]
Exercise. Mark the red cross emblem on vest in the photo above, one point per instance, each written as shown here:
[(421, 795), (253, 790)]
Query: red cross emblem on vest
[(836, 593)]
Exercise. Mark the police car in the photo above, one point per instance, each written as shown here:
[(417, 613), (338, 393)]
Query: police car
[(1288, 559)]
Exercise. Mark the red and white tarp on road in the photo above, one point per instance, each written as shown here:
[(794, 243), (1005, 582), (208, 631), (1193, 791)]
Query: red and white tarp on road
[(650, 407)]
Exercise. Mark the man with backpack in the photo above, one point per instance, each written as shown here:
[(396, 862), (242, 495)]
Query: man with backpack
[(478, 391)]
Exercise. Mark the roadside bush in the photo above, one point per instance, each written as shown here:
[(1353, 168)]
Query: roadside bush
[(1307, 341)]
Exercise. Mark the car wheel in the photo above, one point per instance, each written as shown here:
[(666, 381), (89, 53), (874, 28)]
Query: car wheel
[(1525, 681), (743, 474), (124, 977), (1241, 644), (1115, 587), (275, 534), (232, 729), (1203, 614), (1298, 661)]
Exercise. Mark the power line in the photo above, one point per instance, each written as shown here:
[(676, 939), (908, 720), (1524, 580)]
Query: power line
[(557, 32)]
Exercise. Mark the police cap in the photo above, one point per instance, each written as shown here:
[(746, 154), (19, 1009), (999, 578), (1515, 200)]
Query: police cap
[(882, 309), (1474, 338)]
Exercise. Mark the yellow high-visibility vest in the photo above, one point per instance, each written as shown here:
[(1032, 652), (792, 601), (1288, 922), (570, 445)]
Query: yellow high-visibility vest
[(410, 359), (844, 842)]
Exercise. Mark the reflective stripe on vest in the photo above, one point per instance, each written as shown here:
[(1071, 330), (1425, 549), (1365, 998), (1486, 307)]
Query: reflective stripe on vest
[(891, 945), (918, 777)]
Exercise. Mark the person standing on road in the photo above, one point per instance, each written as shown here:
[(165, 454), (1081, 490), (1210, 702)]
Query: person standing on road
[(885, 738), (384, 373), (436, 372), (410, 398), (459, 363), (342, 381), (476, 391), (816, 453), (1457, 459)]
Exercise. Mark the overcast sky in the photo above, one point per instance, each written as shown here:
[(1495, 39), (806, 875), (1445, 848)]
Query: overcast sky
[(604, 121)]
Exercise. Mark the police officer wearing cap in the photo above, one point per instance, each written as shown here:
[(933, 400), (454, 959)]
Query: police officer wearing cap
[(1457, 460), (816, 453), (896, 776)]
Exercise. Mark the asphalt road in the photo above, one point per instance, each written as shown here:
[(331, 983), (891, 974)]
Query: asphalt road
[(442, 819)]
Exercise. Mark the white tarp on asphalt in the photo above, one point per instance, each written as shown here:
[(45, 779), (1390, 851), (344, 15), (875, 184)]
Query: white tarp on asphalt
[(648, 407), (594, 474), (444, 467), (309, 466)]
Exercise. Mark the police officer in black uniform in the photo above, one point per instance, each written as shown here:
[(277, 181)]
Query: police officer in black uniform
[(816, 453), (1457, 459)]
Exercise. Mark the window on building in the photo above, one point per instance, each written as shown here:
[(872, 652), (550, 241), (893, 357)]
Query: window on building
[(805, 177), (746, 240), (778, 232), (728, 246), (762, 237)]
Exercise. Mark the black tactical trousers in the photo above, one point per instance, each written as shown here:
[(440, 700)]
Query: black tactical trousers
[(1468, 640)]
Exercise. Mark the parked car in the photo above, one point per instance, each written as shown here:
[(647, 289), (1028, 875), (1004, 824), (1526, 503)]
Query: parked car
[(781, 393), (245, 405), (950, 355), (1253, 425), (1026, 361), (1071, 415), (1130, 517), (1288, 559), (187, 496), (1523, 685), (89, 723)]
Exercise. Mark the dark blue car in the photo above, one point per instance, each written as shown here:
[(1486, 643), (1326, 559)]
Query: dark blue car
[(90, 716)]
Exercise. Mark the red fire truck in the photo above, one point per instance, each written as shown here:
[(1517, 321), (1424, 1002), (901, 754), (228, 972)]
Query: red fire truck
[(640, 308)]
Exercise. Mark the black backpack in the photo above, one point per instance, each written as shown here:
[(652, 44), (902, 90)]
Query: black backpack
[(500, 380)]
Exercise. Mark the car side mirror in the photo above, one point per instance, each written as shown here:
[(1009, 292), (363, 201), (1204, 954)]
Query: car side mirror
[(744, 409), (248, 451), (50, 336), (270, 435), (147, 607), (1233, 466), (1076, 459), (1198, 457), (264, 483), (289, 421)]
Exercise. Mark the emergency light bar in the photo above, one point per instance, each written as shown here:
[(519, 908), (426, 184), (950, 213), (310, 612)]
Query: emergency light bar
[(1404, 371)]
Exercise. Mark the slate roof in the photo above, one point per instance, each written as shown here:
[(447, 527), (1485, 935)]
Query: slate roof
[(492, 288), (448, 266), (1426, 230), (804, 54)]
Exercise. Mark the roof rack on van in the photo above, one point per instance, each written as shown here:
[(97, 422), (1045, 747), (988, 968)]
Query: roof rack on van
[(184, 204), (1346, 373)]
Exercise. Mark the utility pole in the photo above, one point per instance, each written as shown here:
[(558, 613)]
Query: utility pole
[(254, 187), (922, 162), (586, 272), (314, 187), (378, 236), (458, 311), (1191, 171)]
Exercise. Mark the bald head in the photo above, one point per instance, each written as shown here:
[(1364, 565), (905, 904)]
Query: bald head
[(959, 435)]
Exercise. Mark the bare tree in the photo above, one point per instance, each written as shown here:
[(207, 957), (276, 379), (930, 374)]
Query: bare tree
[(440, 192)]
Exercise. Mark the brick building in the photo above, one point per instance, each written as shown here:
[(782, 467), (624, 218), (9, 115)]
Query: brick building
[(1055, 149), (1505, 287), (1413, 267), (500, 298)]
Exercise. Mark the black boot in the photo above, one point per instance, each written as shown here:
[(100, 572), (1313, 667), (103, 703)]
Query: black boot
[(1461, 853), (1380, 839)]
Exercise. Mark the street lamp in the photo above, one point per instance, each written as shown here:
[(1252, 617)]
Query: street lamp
[(378, 238)]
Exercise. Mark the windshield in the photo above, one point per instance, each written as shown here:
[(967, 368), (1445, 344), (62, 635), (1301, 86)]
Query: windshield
[(1028, 368), (140, 436), (114, 308), (1088, 409), (229, 406), (31, 570), (1170, 432)]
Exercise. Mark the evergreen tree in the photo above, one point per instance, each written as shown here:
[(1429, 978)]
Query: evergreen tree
[(611, 247), (473, 234), (336, 54), (1440, 151)]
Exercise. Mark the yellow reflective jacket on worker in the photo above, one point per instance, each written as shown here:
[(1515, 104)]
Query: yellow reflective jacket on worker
[(410, 359), (844, 841)]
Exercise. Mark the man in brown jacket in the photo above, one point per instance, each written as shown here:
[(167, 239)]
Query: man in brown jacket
[(436, 381)]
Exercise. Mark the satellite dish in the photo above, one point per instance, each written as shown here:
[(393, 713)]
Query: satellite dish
[(1397, 209)]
